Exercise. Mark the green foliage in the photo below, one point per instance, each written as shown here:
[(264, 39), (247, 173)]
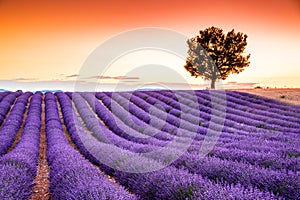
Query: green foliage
[(177, 114), (261, 126), (213, 55), (168, 109)]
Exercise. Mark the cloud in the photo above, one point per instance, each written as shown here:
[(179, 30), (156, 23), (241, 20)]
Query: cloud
[(115, 77), (72, 76), (24, 79), (235, 85), (127, 77), (129, 81)]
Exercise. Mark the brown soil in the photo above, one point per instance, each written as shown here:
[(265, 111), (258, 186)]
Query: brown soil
[(290, 96), (40, 191)]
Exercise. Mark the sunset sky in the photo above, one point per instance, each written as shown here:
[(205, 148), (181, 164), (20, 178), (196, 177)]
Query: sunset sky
[(43, 44)]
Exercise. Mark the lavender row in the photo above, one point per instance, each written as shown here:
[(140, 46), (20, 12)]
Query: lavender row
[(200, 121), (248, 107), (289, 150), (219, 166), (3, 94), (235, 172), (140, 112), (107, 136), (234, 107), (236, 99), (205, 99), (258, 100), (5, 105), (187, 120), (281, 121), (100, 131), (269, 110), (167, 183), (273, 161), (118, 127), (136, 111), (231, 119), (293, 139), (230, 125), (18, 168), (136, 127), (279, 162), (119, 123), (270, 160), (253, 101), (71, 176), (270, 137), (169, 124), (13, 123)]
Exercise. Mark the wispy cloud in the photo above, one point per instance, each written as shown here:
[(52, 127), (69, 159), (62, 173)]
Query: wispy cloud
[(127, 77), (72, 76), (115, 77), (129, 81), (233, 85), (24, 79)]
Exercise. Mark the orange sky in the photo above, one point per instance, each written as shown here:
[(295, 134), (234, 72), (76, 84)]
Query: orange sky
[(44, 40), (57, 17)]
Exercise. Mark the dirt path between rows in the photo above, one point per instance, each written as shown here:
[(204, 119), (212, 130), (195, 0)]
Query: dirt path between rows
[(41, 189)]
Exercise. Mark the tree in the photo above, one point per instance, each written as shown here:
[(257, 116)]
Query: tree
[(213, 55)]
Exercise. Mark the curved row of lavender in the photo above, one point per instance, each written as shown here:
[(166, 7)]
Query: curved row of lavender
[(71, 176), (7, 99), (13, 123), (18, 168), (237, 121), (283, 182), (242, 130), (275, 139), (167, 183), (2, 95)]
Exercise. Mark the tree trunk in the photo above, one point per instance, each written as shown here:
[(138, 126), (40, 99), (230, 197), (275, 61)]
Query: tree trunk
[(212, 85)]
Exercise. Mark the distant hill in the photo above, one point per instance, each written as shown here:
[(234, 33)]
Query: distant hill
[(43, 91), (53, 91), (148, 88)]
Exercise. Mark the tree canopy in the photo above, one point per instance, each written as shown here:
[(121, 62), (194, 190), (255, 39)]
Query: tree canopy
[(213, 55)]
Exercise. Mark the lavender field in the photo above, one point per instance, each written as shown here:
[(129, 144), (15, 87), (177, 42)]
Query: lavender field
[(98, 145)]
